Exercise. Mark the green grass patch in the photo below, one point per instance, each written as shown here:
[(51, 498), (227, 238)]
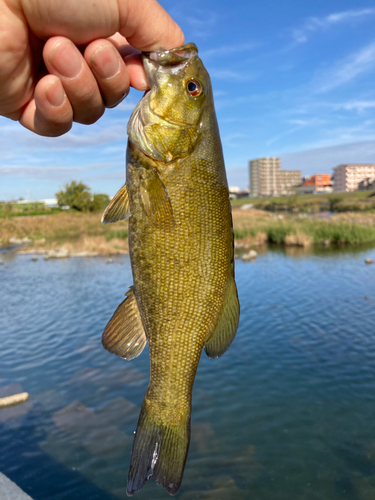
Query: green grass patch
[(278, 233), (121, 234), (339, 233), (313, 203), (244, 233), (318, 230)]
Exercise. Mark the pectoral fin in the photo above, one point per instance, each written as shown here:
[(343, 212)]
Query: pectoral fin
[(124, 334), (155, 200), (118, 209), (226, 328)]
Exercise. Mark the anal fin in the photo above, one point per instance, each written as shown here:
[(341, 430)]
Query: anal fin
[(226, 327), (124, 334), (118, 209)]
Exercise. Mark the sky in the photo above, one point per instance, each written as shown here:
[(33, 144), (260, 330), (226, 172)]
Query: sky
[(290, 79)]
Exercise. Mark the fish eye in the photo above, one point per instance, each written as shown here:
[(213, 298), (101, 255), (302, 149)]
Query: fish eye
[(194, 88)]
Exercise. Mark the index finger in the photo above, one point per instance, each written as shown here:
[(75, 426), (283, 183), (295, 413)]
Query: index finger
[(144, 23), (147, 26)]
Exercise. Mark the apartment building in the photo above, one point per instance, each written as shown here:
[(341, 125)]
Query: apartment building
[(267, 178), (348, 176), (318, 183)]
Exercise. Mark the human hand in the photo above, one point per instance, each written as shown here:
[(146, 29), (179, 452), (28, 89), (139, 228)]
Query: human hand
[(67, 60)]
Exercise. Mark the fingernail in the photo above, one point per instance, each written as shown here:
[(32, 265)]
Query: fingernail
[(55, 94), (105, 61), (66, 59)]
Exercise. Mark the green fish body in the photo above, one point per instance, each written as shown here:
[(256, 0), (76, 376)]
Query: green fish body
[(184, 296)]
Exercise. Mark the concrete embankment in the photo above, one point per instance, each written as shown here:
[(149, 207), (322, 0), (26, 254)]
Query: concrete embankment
[(10, 491)]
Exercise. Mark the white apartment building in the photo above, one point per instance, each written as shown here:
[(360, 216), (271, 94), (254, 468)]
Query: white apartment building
[(267, 178), (348, 176)]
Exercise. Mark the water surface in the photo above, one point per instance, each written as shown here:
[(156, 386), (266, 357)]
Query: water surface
[(286, 413)]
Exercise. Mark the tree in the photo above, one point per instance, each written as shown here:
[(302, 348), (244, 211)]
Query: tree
[(78, 196), (100, 202)]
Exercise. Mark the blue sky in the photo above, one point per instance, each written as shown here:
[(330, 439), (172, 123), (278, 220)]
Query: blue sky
[(291, 79)]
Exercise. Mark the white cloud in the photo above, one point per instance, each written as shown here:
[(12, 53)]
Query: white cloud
[(313, 24), (226, 50), (354, 105), (284, 134), (201, 26), (325, 159), (80, 137), (52, 173), (234, 139), (238, 76), (346, 70)]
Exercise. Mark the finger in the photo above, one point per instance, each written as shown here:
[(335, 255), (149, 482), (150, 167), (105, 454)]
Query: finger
[(137, 72), (63, 59), (49, 113), (109, 70), (144, 23), (147, 26), (133, 61)]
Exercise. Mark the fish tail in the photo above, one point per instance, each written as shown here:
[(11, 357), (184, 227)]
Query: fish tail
[(159, 450)]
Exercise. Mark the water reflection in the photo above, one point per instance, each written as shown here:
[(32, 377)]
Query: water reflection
[(287, 413)]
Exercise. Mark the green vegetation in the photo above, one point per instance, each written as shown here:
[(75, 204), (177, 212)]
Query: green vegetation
[(359, 201), (78, 196), (278, 233), (18, 210), (293, 230), (339, 233), (121, 234), (83, 230), (67, 226)]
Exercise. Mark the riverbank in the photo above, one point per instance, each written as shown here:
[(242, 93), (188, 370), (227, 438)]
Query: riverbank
[(80, 234), (256, 227), (357, 201)]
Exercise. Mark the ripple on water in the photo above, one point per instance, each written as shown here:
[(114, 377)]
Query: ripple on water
[(286, 413)]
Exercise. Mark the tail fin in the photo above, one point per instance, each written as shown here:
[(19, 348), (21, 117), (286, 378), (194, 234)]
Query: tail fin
[(159, 451)]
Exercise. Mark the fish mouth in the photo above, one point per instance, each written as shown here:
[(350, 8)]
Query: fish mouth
[(158, 65), (172, 58)]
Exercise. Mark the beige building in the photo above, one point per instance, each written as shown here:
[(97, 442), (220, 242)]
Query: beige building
[(267, 178), (348, 176)]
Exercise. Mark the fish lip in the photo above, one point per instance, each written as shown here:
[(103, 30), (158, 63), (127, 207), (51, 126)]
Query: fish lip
[(172, 57)]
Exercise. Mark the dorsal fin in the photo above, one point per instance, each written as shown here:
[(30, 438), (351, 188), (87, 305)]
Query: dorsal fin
[(119, 208), (124, 334)]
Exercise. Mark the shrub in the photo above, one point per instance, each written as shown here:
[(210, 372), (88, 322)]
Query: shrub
[(77, 196), (277, 234)]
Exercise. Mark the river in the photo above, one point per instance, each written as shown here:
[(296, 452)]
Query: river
[(288, 413)]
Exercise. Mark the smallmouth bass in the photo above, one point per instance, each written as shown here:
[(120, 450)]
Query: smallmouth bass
[(184, 296)]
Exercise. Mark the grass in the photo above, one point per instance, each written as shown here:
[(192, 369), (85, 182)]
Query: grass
[(253, 226), (77, 230), (8, 210), (359, 201), (121, 234), (84, 232)]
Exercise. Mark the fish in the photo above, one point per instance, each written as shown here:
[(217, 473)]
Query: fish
[(184, 297)]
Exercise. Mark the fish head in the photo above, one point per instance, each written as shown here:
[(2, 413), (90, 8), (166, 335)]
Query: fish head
[(167, 123)]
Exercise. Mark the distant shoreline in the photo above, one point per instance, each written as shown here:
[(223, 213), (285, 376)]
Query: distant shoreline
[(74, 234)]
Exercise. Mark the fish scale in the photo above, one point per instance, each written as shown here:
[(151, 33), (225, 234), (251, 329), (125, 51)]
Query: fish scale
[(181, 251)]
